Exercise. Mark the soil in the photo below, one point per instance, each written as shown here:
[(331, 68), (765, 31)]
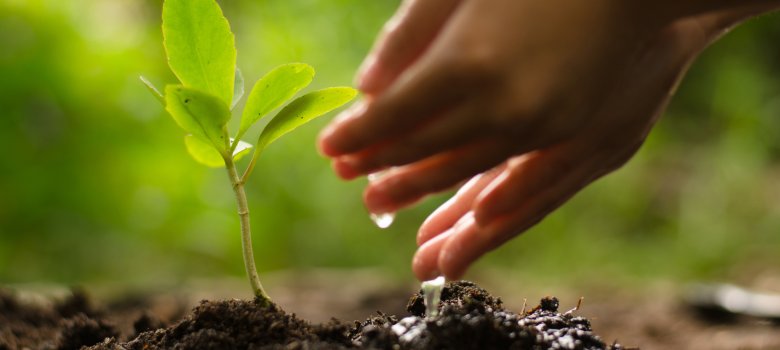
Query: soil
[(470, 318)]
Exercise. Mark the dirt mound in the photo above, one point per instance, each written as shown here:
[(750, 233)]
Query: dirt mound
[(470, 318)]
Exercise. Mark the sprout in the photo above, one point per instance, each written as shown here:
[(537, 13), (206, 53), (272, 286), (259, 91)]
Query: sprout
[(201, 53)]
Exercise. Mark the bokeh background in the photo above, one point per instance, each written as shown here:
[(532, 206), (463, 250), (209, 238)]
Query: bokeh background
[(96, 185)]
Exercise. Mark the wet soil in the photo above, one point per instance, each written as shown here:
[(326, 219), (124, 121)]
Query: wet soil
[(470, 318)]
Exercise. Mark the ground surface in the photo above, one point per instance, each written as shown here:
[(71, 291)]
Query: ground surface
[(655, 319)]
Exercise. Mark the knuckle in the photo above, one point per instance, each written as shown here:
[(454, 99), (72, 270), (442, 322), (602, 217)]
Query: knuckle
[(473, 64), (480, 65)]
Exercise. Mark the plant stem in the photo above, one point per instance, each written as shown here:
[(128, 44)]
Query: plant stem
[(246, 232), (251, 166)]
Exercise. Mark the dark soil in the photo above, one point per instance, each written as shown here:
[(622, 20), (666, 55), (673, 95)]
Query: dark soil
[(70, 324), (470, 318)]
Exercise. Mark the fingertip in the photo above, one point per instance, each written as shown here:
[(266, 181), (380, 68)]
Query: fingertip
[(425, 261), (380, 197), (464, 247), (451, 266), (377, 200), (424, 271), (334, 140), (326, 141), (323, 143), (344, 169)]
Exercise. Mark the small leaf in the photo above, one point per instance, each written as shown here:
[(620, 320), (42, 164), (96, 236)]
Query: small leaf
[(200, 46), (303, 110), (238, 89), (272, 90), (242, 150), (153, 89), (203, 152), (199, 113)]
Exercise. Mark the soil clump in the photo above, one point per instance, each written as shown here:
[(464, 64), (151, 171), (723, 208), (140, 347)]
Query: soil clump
[(470, 318)]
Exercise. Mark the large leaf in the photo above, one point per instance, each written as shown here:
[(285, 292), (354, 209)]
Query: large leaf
[(199, 113), (303, 110), (200, 46), (274, 89), (203, 152)]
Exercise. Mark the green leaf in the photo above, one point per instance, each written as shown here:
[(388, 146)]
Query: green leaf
[(238, 89), (203, 152), (303, 110), (242, 150), (200, 46), (274, 89), (199, 113), (153, 89)]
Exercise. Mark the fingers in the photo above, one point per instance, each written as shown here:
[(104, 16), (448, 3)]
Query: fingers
[(528, 189), (422, 92), (426, 261), (444, 217), (405, 185), (525, 176), (446, 132), (404, 38)]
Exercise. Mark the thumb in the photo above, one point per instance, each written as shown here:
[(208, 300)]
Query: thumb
[(403, 39)]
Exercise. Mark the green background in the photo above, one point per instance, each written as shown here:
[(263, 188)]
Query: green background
[(96, 185)]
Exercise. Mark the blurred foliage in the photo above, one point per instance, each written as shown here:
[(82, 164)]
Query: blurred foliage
[(93, 187)]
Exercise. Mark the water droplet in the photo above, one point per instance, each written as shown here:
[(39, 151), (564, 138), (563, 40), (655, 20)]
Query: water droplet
[(432, 295), (383, 220)]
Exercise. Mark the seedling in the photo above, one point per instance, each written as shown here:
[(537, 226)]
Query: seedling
[(201, 53)]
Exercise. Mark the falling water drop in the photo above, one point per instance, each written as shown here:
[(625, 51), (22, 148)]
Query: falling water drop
[(383, 220), (432, 295)]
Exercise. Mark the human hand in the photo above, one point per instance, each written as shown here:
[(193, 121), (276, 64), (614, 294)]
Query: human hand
[(549, 95)]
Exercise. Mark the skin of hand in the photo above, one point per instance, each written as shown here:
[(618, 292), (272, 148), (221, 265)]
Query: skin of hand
[(528, 101)]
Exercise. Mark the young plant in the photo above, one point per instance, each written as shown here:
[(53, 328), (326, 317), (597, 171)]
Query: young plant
[(201, 53)]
